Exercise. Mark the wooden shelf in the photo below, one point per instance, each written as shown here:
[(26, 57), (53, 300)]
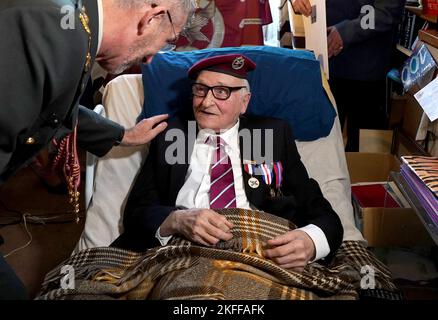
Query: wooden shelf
[(429, 36), (403, 145), (404, 50), (419, 12)]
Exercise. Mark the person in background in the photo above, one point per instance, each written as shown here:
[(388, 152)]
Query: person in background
[(359, 53), (47, 50)]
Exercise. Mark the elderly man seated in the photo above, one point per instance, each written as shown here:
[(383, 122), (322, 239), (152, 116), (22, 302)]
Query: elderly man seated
[(222, 167)]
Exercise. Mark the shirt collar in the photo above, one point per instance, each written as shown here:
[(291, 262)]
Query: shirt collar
[(230, 136), (100, 14)]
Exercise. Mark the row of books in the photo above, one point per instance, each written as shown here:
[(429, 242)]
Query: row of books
[(408, 28), (421, 174)]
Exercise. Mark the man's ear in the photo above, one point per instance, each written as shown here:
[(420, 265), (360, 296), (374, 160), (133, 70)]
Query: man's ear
[(246, 99), (151, 14)]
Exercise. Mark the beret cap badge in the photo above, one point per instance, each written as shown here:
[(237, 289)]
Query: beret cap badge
[(238, 63)]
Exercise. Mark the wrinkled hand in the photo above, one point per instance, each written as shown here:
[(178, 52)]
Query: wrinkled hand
[(302, 6), (202, 226), (292, 250), (335, 44), (144, 131)]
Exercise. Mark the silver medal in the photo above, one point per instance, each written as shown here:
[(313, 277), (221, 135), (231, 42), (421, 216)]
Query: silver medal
[(253, 182)]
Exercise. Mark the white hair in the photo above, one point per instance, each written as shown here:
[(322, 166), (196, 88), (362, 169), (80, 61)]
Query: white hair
[(186, 7), (246, 84), (247, 88)]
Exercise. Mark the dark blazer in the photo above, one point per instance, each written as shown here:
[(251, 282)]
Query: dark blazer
[(42, 78), (158, 183), (367, 52)]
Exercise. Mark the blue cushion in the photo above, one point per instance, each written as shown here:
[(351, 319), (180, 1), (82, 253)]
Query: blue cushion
[(286, 84)]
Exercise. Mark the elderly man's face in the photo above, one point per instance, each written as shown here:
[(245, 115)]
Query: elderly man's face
[(212, 113)]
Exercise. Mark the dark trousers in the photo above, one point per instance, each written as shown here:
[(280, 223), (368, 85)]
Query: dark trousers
[(11, 288), (362, 104)]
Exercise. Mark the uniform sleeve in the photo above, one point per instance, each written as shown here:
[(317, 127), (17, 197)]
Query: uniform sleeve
[(387, 14), (144, 211), (311, 206), (97, 134), (39, 68)]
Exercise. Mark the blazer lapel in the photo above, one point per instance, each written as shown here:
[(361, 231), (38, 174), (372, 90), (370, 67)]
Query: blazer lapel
[(256, 196), (177, 177), (178, 171), (93, 14)]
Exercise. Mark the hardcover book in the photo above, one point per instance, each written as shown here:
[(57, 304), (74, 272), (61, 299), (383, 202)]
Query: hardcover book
[(430, 7), (426, 169), (418, 69)]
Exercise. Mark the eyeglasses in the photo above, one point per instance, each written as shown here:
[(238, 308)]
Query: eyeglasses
[(219, 92), (170, 45)]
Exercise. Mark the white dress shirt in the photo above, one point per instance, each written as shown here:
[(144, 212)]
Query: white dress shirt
[(97, 71), (100, 35), (195, 191)]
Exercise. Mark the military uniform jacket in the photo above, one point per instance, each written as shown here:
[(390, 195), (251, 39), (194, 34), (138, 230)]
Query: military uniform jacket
[(42, 77)]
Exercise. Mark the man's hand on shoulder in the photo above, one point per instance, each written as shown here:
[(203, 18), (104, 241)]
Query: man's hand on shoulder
[(202, 226), (144, 131), (292, 250)]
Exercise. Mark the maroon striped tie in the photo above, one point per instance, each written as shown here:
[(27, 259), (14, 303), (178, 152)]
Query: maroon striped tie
[(222, 193)]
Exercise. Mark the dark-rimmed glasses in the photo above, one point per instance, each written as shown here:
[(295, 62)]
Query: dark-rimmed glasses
[(171, 45), (219, 92)]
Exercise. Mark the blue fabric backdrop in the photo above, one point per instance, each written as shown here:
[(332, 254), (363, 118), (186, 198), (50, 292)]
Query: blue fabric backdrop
[(286, 84)]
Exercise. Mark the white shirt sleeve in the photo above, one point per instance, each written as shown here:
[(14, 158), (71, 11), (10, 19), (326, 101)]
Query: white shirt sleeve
[(322, 248), (163, 240)]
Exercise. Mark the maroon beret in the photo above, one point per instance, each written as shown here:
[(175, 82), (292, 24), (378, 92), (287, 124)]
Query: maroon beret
[(236, 65)]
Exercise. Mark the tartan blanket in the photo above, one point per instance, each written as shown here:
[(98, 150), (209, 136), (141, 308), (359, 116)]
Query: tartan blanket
[(234, 269)]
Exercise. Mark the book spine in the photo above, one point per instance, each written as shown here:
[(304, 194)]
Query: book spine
[(408, 29)]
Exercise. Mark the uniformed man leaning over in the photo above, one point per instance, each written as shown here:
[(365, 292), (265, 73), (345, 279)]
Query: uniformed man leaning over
[(45, 60)]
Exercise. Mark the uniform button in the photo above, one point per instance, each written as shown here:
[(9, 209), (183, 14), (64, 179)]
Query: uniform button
[(54, 120), (30, 140)]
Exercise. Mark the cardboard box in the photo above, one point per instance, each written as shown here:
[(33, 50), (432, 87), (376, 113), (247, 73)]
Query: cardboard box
[(376, 141), (398, 105), (385, 227), (412, 116)]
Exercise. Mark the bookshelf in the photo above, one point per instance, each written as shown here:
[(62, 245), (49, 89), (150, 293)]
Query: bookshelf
[(404, 50), (429, 36), (412, 22), (404, 142), (419, 12)]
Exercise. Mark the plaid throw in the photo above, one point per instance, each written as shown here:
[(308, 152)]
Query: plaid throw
[(233, 269)]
